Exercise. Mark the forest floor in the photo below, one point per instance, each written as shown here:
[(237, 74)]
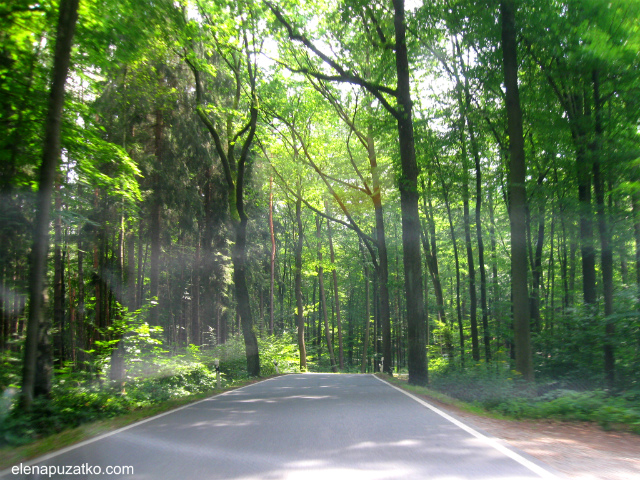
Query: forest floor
[(580, 450)]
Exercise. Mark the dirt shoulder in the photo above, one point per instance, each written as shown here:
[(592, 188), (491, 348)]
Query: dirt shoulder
[(579, 450)]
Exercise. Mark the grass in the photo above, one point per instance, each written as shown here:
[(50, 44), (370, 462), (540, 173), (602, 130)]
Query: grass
[(10, 456), (611, 412), (431, 394)]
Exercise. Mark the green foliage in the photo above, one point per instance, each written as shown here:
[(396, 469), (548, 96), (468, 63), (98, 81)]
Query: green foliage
[(496, 388), (594, 406), (153, 377), (281, 350)]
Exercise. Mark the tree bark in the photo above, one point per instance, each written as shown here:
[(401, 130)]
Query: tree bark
[(517, 194), (323, 300), (473, 301), (635, 205), (481, 266), (416, 320), (536, 272), (336, 297), (367, 317), (68, 15), (457, 263), (155, 223), (383, 261), (273, 257), (196, 329), (298, 281), (58, 280), (605, 238)]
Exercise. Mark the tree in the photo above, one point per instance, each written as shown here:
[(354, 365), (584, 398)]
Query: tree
[(517, 194), (36, 326), (408, 185), (241, 61)]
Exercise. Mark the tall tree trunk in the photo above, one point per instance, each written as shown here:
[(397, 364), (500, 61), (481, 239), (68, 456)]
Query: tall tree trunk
[(495, 314), (517, 194), (196, 328), (430, 251), (536, 267), (367, 317), (551, 277), (336, 297), (383, 261), (481, 266), (457, 263), (635, 205), (298, 281), (323, 299), (131, 271), (58, 280), (584, 172), (273, 256), (605, 238), (243, 299), (473, 302), (416, 328), (155, 223), (140, 269), (68, 15)]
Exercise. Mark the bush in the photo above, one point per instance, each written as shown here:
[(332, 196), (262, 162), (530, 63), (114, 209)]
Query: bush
[(153, 376)]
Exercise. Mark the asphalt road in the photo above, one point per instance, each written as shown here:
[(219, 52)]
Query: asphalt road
[(310, 426)]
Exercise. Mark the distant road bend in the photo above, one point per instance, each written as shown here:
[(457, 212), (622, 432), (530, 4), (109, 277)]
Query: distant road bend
[(300, 427)]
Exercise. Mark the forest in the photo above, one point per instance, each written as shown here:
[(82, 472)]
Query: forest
[(447, 189)]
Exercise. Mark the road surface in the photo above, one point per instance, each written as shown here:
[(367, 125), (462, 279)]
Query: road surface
[(293, 427)]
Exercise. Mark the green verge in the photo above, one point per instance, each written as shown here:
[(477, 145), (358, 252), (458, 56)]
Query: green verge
[(430, 394), (10, 456), (611, 412)]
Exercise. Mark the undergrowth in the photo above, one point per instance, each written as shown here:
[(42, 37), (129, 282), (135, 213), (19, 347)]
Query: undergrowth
[(496, 388), (153, 376)]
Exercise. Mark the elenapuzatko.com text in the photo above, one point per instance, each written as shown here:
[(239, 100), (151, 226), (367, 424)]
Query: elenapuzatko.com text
[(84, 469)]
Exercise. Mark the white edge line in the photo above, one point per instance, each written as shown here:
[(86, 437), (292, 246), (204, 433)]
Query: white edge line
[(490, 441), (51, 455)]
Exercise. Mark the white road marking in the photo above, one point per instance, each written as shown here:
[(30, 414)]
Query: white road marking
[(51, 455), (489, 441)]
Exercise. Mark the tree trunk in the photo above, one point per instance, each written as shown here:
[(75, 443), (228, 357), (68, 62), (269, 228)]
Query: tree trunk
[(481, 266), (605, 239), (298, 281), (517, 194), (457, 263), (336, 297), (367, 317), (273, 256), (58, 280), (473, 302), (383, 261), (155, 224), (635, 204), (536, 267), (243, 299), (68, 15), (196, 329), (495, 314), (417, 355), (430, 251), (323, 300)]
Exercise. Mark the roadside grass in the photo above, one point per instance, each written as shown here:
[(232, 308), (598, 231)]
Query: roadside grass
[(401, 381), (619, 411), (12, 455)]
